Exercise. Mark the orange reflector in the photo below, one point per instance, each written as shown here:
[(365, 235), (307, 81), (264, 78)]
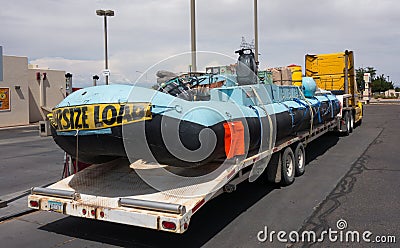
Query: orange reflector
[(234, 139)]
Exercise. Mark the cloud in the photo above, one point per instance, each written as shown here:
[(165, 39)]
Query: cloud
[(68, 34)]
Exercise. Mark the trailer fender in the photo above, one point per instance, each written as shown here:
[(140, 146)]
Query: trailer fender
[(274, 168)]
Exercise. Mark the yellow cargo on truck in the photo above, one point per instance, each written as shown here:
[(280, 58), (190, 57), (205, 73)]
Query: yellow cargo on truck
[(335, 72)]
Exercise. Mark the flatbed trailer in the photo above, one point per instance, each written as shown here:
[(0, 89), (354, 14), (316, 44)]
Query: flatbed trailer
[(114, 192)]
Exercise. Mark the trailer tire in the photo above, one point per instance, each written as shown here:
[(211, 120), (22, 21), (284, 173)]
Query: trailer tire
[(300, 159), (347, 124), (351, 122), (288, 167)]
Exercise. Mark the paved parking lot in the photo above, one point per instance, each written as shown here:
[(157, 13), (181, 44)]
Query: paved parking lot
[(351, 178)]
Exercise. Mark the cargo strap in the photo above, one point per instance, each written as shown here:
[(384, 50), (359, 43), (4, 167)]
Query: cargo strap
[(77, 146), (318, 111), (311, 112), (258, 168), (330, 107), (259, 119), (306, 107), (167, 108), (290, 113)]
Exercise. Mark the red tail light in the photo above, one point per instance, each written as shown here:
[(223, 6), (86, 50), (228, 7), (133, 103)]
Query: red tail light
[(84, 211), (93, 212), (102, 214), (169, 225), (34, 204)]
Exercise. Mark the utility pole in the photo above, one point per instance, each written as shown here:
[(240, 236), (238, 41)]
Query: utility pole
[(256, 31), (105, 13), (193, 33)]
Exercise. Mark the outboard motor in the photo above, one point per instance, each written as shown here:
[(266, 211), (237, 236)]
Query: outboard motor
[(246, 67)]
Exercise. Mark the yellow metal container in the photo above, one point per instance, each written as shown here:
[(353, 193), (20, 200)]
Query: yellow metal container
[(330, 71), (296, 74)]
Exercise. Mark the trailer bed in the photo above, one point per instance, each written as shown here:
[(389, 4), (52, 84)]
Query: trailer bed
[(116, 191)]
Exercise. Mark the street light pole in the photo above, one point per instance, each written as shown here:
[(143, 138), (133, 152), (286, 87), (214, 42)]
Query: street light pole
[(256, 31), (193, 33), (106, 47), (105, 13)]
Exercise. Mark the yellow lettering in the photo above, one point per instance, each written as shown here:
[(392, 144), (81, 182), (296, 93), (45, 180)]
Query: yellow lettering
[(98, 116)]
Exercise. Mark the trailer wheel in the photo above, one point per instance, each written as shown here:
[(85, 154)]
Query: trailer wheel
[(288, 167), (300, 159), (347, 124), (351, 123)]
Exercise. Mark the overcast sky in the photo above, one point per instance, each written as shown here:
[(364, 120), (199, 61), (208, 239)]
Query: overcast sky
[(67, 34)]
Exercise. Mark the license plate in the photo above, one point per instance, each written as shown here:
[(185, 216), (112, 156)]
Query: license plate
[(56, 206)]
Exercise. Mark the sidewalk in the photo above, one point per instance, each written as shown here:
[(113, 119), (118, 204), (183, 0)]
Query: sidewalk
[(28, 126), (384, 101)]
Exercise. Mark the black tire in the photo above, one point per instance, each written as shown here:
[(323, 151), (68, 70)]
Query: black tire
[(300, 159), (347, 124), (288, 167), (351, 128), (359, 123)]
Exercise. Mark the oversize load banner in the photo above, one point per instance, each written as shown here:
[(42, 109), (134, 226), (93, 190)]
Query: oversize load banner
[(4, 99), (98, 116)]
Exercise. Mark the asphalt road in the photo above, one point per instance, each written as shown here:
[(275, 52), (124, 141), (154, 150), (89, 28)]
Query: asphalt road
[(352, 178), (27, 160)]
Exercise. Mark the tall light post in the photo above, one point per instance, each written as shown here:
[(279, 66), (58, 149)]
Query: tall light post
[(105, 13), (256, 31), (193, 33)]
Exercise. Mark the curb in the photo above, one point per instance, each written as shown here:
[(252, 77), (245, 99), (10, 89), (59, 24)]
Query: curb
[(19, 126), (19, 200)]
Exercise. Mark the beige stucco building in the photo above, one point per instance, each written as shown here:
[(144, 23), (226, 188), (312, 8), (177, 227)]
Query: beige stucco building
[(27, 92), (392, 93)]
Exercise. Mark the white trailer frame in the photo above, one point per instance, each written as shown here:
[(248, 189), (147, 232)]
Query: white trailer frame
[(127, 200)]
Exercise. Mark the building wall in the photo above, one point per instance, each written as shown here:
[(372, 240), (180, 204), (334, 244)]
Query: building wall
[(54, 91), (25, 99), (15, 73), (390, 93), (1, 63)]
